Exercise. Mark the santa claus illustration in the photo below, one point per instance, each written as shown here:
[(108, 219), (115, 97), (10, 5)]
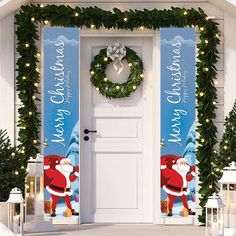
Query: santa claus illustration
[(59, 173), (176, 174)]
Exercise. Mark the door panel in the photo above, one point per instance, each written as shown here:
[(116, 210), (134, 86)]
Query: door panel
[(116, 163)]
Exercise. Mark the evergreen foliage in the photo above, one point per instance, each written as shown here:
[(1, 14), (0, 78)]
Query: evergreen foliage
[(12, 167), (28, 76), (227, 152)]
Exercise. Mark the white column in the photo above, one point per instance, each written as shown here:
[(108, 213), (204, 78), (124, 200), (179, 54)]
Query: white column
[(230, 62), (7, 68)]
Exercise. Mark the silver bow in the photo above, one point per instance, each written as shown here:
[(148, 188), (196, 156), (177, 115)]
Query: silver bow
[(116, 53)]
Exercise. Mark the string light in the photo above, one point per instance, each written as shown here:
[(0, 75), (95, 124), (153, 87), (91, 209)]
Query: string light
[(141, 75), (117, 87), (32, 19), (38, 54), (36, 84), (33, 97), (125, 19), (141, 27), (225, 147), (206, 41), (226, 141), (92, 26), (207, 120), (26, 45), (214, 103), (97, 88), (201, 94), (92, 72), (202, 140), (185, 13), (23, 77), (193, 26), (13, 154), (22, 167), (202, 53), (37, 69), (206, 69), (105, 59), (27, 64), (34, 141), (41, 5), (201, 28), (45, 22), (30, 113), (217, 35), (134, 87), (130, 64), (216, 82), (16, 173), (76, 14), (210, 186), (105, 79)]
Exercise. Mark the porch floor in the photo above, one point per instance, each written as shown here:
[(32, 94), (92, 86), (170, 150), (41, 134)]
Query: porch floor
[(125, 230)]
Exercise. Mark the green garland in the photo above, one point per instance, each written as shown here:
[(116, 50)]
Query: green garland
[(116, 90), (30, 16)]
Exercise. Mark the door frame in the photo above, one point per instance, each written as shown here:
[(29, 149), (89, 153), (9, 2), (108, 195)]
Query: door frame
[(87, 202)]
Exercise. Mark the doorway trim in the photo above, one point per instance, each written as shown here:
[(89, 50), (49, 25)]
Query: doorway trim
[(155, 145)]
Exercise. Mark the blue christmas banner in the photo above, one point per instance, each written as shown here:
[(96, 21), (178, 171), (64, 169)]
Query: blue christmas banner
[(61, 122), (177, 122)]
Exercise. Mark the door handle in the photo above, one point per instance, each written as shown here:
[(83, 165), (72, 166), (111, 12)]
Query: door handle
[(86, 131)]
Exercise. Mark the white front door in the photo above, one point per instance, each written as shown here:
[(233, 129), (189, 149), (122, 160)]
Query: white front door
[(116, 162)]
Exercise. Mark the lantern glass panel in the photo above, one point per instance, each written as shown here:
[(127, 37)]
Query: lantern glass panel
[(15, 221), (220, 220), (30, 196), (226, 200), (209, 221)]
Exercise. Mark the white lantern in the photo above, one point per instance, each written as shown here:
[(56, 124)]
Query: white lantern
[(16, 211), (228, 193), (214, 216), (34, 190), (34, 194)]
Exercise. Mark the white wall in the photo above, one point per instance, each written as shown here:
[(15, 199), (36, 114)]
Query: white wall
[(230, 62), (7, 82)]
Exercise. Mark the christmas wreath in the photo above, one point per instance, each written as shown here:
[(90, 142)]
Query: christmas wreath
[(116, 55)]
